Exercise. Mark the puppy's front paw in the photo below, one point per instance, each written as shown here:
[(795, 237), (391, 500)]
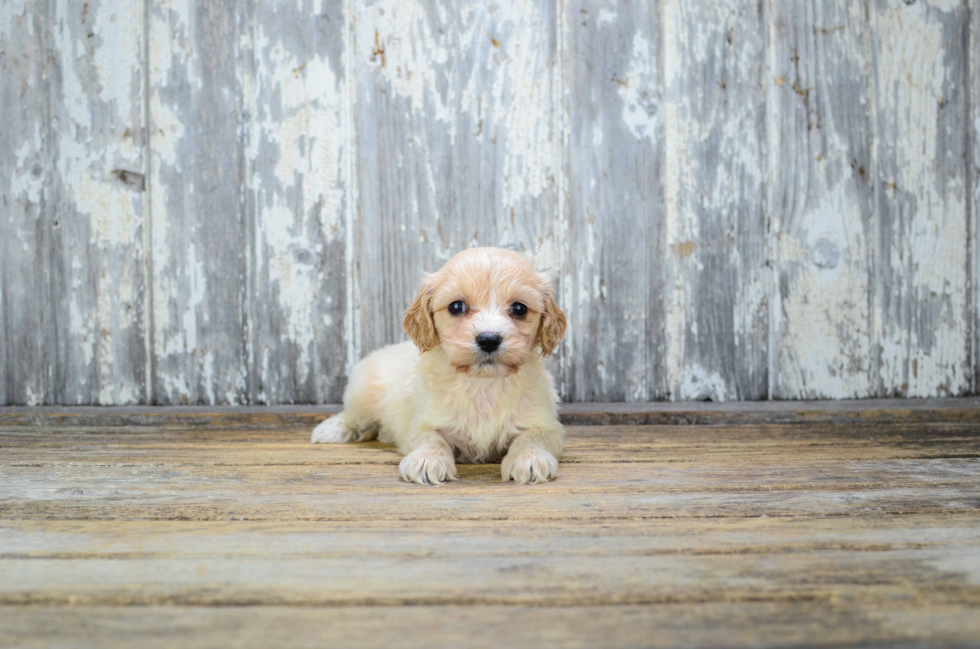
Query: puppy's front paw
[(427, 466), (332, 431), (529, 465)]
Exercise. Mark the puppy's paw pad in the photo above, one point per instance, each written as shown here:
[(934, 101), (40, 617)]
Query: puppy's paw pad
[(427, 467), (529, 466), (332, 431)]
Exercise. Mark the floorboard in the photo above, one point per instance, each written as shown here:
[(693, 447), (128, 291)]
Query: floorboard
[(718, 624), (774, 526)]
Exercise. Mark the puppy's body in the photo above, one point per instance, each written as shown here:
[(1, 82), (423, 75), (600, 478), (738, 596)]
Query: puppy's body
[(444, 397), (393, 390)]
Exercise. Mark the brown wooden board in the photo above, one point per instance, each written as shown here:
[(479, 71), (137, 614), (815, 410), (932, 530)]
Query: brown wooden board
[(716, 624), (231, 529)]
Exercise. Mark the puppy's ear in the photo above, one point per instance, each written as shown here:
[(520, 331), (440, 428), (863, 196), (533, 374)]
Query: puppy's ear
[(553, 323), (419, 324)]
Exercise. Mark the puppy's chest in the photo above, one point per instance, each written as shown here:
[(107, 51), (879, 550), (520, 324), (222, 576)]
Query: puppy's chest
[(480, 427)]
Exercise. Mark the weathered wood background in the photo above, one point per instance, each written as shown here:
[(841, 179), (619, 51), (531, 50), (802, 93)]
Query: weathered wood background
[(230, 201)]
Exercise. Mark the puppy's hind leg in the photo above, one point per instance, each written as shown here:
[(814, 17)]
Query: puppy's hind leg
[(360, 419), (358, 422), (339, 429)]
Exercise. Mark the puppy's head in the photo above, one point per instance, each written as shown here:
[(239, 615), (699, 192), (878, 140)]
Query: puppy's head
[(489, 310)]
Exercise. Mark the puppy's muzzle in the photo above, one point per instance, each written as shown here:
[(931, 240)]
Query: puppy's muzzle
[(488, 342)]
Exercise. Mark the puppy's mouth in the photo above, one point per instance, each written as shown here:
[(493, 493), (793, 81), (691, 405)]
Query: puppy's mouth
[(496, 365)]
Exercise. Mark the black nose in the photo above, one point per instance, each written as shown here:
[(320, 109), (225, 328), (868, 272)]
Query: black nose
[(488, 342)]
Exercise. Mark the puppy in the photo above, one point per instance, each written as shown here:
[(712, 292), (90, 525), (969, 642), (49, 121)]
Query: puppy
[(472, 385)]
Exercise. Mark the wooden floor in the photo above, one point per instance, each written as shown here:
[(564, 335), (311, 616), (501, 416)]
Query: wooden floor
[(775, 525)]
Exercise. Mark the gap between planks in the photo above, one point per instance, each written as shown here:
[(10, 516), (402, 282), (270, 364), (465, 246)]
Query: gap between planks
[(648, 413)]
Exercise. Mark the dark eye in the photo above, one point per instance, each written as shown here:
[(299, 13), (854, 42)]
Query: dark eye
[(518, 310), (457, 308)]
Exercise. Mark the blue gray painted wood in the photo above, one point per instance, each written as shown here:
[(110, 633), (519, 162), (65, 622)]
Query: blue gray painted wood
[(232, 201)]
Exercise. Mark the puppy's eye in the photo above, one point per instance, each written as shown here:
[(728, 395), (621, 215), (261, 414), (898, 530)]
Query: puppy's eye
[(518, 310), (457, 308)]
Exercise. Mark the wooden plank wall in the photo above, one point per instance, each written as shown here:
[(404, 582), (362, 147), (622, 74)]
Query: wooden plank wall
[(229, 202)]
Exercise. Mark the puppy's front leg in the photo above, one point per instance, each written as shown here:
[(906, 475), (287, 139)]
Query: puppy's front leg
[(430, 459), (533, 456)]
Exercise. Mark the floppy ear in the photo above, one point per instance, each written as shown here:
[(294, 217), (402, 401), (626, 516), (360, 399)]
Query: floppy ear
[(419, 324), (553, 323)]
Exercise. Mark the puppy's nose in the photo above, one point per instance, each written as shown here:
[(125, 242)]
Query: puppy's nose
[(488, 342)]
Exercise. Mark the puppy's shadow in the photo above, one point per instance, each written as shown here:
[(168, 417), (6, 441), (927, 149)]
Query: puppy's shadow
[(375, 452), (479, 473)]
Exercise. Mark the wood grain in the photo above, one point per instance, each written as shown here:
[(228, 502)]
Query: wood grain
[(265, 446), (307, 540), (920, 197), (218, 203), (973, 193), (614, 271), (717, 282), (819, 131), (208, 493), (136, 481), (550, 580), (719, 624), (200, 242), (298, 199), (98, 202), (27, 355), (808, 532)]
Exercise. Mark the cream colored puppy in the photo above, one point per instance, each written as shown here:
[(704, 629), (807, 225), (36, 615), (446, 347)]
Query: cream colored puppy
[(473, 386)]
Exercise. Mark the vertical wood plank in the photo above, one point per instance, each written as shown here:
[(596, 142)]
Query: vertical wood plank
[(820, 196), (717, 274), (199, 231), (26, 358), (615, 264), (973, 198), (457, 144), (461, 120), (298, 194), (97, 201), (920, 54)]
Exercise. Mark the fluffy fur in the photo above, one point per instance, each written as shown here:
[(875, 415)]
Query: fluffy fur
[(441, 398)]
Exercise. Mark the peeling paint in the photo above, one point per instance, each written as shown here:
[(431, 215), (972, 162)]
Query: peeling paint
[(716, 298), (607, 16), (299, 208), (529, 159), (97, 221), (406, 51), (614, 243), (973, 271), (820, 315), (945, 5), (702, 385), (921, 305), (310, 158), (27, 179), (25, 372), (198, 231), (297, 152), (638, 91)]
